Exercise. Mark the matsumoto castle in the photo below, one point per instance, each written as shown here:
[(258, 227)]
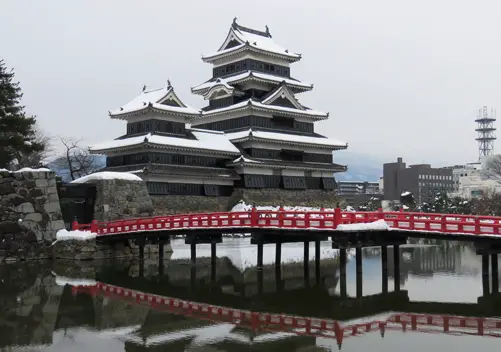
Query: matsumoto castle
[(252, 133)]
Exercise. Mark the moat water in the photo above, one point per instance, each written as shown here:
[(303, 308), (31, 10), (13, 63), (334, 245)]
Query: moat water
[(41, 311)]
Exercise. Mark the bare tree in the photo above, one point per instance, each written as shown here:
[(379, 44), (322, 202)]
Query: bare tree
[(77, 161), (491, 168), (36, 158)]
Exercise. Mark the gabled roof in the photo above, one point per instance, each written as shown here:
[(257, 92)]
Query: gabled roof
[(219, 85), (282, 93), (204, 141), (162, 100), (285, 138), (257, 106), (242, 38), (256, 76)]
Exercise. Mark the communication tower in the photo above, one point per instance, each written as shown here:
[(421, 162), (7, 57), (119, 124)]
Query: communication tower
[(485, 129)]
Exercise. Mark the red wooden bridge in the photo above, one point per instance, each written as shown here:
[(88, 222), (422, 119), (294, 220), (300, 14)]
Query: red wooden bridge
[(323, 221), (314, 327)]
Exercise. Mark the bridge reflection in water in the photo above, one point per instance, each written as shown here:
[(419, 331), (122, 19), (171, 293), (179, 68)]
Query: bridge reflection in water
[(176, 307)]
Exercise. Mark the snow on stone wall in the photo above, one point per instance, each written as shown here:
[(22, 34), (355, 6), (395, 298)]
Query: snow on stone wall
[(30, 214)]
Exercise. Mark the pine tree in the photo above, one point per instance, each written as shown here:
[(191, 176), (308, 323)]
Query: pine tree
[(17, 131)]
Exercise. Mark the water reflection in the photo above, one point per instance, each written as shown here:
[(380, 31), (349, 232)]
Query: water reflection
[(125, 306)]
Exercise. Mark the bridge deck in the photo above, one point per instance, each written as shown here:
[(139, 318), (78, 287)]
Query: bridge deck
[(314, 222)]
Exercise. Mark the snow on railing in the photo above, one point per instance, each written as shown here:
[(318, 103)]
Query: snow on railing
[(311, 220)]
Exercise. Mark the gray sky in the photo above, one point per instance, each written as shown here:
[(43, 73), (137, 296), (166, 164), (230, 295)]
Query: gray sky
[(399, 78)]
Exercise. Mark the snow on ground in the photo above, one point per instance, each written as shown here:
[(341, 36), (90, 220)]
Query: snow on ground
[(65, 235), (27, 169), (241, 206), (108, 175), (63, 281), (376, 226)]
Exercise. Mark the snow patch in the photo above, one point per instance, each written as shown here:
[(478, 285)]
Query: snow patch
[(108, 175), (378, 225), (27, 169), (65, 235), (406, 193), (63, 281), (241, 206)]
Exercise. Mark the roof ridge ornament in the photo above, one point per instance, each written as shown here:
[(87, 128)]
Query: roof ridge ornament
[(144, 87), (268, 31), (168, 84)]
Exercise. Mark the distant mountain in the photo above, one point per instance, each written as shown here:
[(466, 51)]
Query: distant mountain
[(360, 167)]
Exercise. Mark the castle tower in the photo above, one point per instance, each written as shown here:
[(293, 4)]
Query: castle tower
[(252, 98)]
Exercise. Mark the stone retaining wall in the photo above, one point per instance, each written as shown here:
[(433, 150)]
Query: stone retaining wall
[(121, 199), (304, 197), (92, 250), (30, 214), (165, 205)]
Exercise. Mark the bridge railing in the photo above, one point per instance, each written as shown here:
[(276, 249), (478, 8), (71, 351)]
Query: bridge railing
[(313, 220)]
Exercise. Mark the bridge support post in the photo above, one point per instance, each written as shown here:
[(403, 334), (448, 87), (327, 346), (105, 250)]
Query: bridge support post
[(278, 265), (342, 272), (306, 264), (317, 261), (495, 273), (396, 266), (485, 275), (260, 265), (358, 259), (278, 253), (161, 258), (193, 250), (213, 259), (384, 268)]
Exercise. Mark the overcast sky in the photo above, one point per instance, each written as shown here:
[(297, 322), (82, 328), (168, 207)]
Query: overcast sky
[(399, 78)]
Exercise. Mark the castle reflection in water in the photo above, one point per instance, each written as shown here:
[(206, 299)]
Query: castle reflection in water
[(41, 307)]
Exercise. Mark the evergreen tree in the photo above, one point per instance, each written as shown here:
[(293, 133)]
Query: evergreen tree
[(17, 131)]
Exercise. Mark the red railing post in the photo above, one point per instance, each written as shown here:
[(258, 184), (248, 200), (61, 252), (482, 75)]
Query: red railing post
[(93, 226), (338, 217), (380, 213), (477, 225), (254, 219), (74, 224), (443, 221), (281, 216)]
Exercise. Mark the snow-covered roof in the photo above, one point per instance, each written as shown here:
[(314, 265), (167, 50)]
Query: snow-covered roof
[(204, 140), (286, 138), (108, 175), (155, 99), (283, 92), (290, 165), (250, 39), (252, 75), (257, 106)]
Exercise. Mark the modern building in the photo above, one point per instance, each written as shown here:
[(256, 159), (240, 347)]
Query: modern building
[(253, 132), (422, 180), (357, 192)]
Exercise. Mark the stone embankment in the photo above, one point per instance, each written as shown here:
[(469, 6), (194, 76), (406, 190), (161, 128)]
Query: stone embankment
[(30, 214)]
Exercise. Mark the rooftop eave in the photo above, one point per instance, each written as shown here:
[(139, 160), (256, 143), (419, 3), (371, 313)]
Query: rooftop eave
[(271, 165), (323, 146), (210, 58), (143, 145), (253, 107), (149, 108)]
